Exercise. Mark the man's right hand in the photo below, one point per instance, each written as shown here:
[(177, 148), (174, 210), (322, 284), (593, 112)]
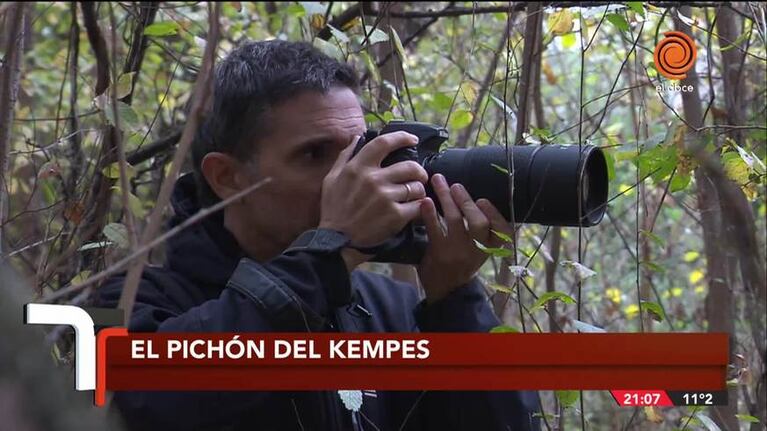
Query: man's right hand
[(368, 203)]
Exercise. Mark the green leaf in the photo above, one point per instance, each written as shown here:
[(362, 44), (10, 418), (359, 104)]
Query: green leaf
[(735, 167), (503, 329), (493, 251), (162, 28), (460, 119), (118, 234), (656, 239), (372, 68), (442, 102), (618, 21), (659, 161), (567, 398), (652, 266), (747, 418), (134, 203), (113, 171), (552, 296), (296, 10), (500, 288), (501, 235), (48, 187), (80, 277), (636, 6), (500, 168), (129, 118), (610, 161), (124, 84), (679, 182), (398, 46), (655, 310)]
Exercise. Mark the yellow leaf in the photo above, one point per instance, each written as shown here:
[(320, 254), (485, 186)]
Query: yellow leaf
[(124, 84), (653, 415), (469, 91), (631, 311), (625, 188), (696, 276), (318, 21), (700, 289), (560, 22), (551, 77), (691, 256), (676, 291), (613, 295)]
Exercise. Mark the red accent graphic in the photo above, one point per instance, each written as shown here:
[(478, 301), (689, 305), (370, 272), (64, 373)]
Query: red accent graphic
[(101, 361)]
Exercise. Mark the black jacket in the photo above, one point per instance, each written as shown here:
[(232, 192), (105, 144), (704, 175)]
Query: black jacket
[(207, 285)]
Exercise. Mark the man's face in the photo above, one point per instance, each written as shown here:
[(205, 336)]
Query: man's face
[(306, 134)]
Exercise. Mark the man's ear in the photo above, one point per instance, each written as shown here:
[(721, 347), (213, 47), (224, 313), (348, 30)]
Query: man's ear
[(223, 174)]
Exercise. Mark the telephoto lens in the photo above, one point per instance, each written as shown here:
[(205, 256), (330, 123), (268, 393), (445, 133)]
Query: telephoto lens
[(555, 185)]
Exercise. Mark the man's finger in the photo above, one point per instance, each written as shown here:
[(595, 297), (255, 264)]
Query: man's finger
[(478, 223), (497, 222), (406, 192), (403, 172), (345, 155), (409, 211), (373, 153), (451, 212), (431, 220)]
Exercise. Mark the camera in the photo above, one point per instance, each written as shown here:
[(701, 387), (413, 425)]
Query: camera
[(553, 185)]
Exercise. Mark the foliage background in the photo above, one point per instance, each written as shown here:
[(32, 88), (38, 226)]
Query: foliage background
[(682, 245)]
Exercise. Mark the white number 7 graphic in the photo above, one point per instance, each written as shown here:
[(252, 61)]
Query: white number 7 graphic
[(85, 340)]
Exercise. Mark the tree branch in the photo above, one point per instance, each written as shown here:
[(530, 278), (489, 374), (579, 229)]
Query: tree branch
[(202, 91), (9, 89)]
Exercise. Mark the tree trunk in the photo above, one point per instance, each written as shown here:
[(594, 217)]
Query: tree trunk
[(10, 74), (739, 225), (719, 304)]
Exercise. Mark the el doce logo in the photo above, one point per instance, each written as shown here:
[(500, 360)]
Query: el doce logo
[(674, 55)]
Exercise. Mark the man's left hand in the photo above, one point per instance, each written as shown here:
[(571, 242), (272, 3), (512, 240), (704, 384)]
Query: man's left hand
[(452, 258)]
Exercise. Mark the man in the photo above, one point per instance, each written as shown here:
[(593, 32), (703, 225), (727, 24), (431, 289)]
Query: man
[(283, 258)]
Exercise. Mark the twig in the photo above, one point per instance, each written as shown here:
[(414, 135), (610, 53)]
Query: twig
[(130, 224), (119, 265), (202, 90)]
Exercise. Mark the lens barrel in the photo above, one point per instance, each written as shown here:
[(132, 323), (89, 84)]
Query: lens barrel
[(548, 180)]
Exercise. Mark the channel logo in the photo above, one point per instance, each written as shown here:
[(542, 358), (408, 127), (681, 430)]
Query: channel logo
[(674, 55)]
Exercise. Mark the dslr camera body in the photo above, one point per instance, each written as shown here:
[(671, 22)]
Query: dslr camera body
[(554, 185)]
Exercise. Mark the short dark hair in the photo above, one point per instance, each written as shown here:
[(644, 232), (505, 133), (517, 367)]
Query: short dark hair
[(253, 78)]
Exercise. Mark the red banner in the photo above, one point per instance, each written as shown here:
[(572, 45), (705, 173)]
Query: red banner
[(408, 361)]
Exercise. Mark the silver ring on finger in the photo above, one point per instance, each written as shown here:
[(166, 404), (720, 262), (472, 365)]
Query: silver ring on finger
[(408, 192)]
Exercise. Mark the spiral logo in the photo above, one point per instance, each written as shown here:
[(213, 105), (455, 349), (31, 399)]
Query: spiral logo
[(675, 55)]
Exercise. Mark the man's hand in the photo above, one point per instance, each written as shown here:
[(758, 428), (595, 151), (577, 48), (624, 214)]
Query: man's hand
[(368, 203), (452, 258)]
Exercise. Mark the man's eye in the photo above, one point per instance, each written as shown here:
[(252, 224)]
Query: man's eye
[(314, 152)]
